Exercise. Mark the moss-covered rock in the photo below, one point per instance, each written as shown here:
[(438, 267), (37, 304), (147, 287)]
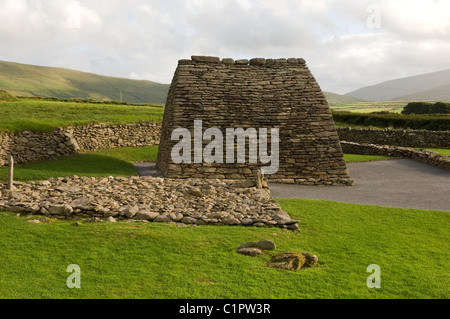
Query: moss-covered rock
[(310, 260), (288, 260)]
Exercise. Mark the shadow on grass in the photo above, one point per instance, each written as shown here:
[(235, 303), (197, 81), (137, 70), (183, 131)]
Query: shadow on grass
[(81, 165)]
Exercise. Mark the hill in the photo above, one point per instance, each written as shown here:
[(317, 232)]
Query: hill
[(430, 86), (441, 93), (30, 80), (336, 99)]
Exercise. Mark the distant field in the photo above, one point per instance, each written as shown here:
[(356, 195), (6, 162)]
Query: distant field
[(434, 122), (369, 107), (37, 115)]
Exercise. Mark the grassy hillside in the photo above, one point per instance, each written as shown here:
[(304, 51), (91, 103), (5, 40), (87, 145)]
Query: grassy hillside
[(30, 80), (430, 83), (6, 97)]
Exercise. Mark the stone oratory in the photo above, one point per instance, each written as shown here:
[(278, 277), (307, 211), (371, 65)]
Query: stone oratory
[(276, 104)]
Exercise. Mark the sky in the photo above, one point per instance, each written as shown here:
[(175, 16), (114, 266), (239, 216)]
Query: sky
[(346, 44)]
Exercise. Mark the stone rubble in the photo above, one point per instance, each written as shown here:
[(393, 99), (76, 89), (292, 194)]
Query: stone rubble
[(262, 244), (255, 248), (186, 201), (249, 251)]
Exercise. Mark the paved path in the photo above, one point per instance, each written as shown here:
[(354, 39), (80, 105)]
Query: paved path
[(401, 183), (394, 183), (147, 169)]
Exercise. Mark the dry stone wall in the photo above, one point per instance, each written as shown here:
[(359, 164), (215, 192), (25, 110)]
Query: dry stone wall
[(405, 138), (27, 146), (101, 136), (256, 93), (422, 155)]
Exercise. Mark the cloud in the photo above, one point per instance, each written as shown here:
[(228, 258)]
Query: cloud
[(418, 19), (144, 39), (79, 16)]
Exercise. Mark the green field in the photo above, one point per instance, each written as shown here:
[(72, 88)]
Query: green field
[(153, 260), (41, 115), (44, 115), (369, 107)]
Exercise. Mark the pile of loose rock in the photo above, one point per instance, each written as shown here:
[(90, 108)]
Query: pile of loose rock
[(186, 201)]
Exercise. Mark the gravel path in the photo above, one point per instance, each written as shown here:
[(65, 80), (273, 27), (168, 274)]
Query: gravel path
[(147, 169), (400, 183)]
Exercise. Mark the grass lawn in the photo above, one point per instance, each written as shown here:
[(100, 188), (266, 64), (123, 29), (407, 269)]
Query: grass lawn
[(110, 162), (349, 158), (36, 115), (441, 151), (134, 260), (157, 260)]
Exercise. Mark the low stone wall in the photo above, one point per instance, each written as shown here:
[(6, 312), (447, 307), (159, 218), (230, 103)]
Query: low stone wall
[(425, 156), (405, 138), (27, 147), (100, 136), (187, 201)]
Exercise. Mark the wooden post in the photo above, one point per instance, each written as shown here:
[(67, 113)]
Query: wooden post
[(11, 174), (258, 179)]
